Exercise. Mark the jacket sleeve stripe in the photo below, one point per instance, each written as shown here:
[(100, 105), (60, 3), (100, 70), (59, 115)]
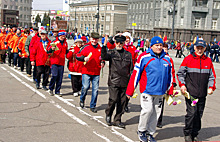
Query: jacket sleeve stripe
[(212, 78), (181, 74)]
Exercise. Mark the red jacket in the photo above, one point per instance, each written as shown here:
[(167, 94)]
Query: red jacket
[(197, 74), (93, 66), (34, 39), (2, 39), (73, 64), (58, 57), (178, 47), (9, 37), (39, 54), (22, 48)]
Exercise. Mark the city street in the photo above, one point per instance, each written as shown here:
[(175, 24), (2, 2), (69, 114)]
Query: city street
[(28, 114)]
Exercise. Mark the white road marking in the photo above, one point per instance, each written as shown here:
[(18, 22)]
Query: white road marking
[(72, 105), (103, 137), (69, 100), (4, 68)]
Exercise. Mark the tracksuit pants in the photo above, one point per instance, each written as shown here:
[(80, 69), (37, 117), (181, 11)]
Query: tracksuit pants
[(150, 111), (57, 77), (117, 97), (193, 117)]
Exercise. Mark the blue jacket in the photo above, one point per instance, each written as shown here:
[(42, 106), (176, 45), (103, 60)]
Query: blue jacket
[(154, 74)]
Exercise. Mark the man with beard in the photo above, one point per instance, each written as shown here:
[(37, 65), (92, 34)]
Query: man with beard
[(120, 68)]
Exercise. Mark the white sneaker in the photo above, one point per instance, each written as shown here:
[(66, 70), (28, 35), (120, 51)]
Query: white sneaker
[(76, 94), (79, 93), (19, 68), (15, 67)]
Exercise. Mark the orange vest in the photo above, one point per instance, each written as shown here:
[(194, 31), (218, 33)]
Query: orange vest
[(2, 40), (14, 43), (21, 46)]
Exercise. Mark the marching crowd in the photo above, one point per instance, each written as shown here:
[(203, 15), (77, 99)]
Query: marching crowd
[(153, 70)]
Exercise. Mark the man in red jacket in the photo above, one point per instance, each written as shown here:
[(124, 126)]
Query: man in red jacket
[(90, 54), (39, 57), (57, 61), (197, 76)]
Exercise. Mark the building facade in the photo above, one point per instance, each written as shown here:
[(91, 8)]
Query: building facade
[(16, 12), (112, 16), (192, 18)]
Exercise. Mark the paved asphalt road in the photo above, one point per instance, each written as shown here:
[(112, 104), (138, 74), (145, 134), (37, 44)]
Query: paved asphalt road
[(31, 115)]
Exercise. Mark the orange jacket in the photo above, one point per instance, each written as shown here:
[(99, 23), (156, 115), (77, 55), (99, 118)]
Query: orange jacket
[(13, 43), (2, 39), (8, 38), (21, 46)]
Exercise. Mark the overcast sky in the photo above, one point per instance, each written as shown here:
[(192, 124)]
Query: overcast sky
[(47, 4)]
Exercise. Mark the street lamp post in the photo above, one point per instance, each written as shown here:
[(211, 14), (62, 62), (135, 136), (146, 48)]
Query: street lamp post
[(97, 24), (174, 7)]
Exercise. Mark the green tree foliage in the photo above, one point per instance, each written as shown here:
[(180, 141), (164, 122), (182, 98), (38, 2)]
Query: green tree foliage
[(46, 19), (37, 19)]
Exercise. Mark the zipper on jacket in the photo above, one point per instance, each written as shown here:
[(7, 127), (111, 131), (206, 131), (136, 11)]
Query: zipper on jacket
[(200, 76)]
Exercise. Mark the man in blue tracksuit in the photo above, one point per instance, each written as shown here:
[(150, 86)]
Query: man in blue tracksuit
[(153, 70)]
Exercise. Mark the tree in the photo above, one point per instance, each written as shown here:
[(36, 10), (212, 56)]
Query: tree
[(37, 19), (46, 19), (59, 18)]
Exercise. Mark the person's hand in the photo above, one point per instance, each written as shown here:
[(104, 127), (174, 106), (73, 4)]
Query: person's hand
[(106, 40), (210, 91), (128, 97), (86, 59), (183, 89), (32, 63), (53, 48), (102, 65), (174, 88), (27, 54)]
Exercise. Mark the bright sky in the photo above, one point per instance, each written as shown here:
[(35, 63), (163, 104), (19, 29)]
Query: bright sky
[(47, 4)]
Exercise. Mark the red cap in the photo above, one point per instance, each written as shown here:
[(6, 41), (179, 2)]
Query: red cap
[(83, 38)]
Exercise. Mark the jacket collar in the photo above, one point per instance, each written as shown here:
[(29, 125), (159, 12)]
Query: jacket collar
[(154, 55), (197, 56)]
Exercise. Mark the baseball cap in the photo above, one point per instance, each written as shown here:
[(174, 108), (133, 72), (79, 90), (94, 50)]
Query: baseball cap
[(200, 43)]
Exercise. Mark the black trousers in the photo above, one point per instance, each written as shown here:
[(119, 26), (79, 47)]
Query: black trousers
[(45, 70), (178, 53), (193, 117), (76, 81), (28, 66), (22, 62), (117, 97), (10, 56)]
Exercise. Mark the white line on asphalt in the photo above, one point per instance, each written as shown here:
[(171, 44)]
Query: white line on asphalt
[(69, 100), (21, 74), (106, 139), (4, 68), (51, 101), (79, 108)]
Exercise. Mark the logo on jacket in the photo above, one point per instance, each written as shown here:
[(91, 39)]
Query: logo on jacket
[(145, 98), (99, 50), (165, 65), (206, 66)]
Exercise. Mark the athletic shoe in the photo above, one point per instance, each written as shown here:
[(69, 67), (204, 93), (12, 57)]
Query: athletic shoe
[(76, 94), (151, 138), (51, 92), (142, 136)]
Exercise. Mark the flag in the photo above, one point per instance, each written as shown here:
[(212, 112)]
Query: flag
[(164, 38), (194, 41)]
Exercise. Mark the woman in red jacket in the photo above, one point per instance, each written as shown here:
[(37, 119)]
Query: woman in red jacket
[(75, 67)]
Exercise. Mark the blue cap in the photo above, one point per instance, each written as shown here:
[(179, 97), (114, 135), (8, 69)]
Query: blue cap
[(200, 43), (156, 40)]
